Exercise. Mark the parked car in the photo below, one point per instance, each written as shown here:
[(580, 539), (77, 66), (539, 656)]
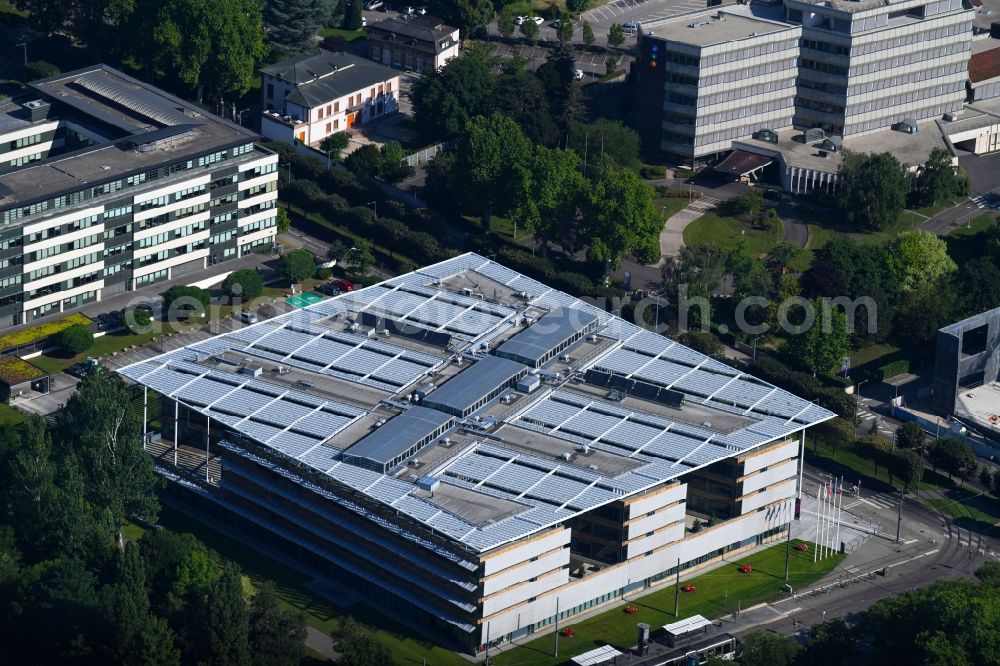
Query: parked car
[(372, 5), (248, 317), (343, 284), (631, 28), (518, 20), (537, 19), (578, 74), (364, 21), (327, 290), (421, 10)]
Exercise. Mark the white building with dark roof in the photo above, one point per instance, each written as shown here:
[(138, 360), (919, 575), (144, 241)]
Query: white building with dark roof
[(381, 456), (313, 95)]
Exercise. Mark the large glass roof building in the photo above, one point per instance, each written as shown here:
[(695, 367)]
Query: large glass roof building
[(380, 438)]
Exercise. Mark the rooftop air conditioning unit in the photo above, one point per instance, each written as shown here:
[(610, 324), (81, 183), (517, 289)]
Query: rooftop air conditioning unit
[(566, 456)]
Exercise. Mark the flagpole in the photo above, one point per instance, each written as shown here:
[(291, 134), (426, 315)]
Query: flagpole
[(840, 512), (816, 545)]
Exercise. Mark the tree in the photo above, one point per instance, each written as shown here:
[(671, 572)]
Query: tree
[(918, 258), (830, 644), (706, 343), (277, 638), (137, 320), (393, 169), (908, 466), (588, 34), (505, 22), (565, 30), (954, 457), (781, 255), (979, 281), (620, 218), (911, 436), (182, 299), (494, 158), (470, 16), (282, 221), (362, 257), (298, 265), (243, 284), (40, 69), (353, 18), (577, 6), (75, 339), (226, 619), (334, 145), (767, 649), (555, 190), (336, 250), (358, 648), (102, 431), (605, 142), (616, 35), (822, 345), (445, 101), (365, 161), (871, 189), (938, 179), (522, 97), (292, 24), (530, 30), (212, 47)]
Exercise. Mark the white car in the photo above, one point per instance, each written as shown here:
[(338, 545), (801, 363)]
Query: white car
[(518, 20), (372, 5), (538, 20), (577, 74), (630, 28)]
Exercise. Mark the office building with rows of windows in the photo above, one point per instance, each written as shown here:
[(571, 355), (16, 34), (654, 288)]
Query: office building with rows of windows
[(847, 68), (108, 184), (474, 453)]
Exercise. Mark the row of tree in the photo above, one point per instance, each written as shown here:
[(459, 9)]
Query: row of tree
[(873, 188), (949, 623), (71, 590)]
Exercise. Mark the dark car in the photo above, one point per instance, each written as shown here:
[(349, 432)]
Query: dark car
[(327, 289)]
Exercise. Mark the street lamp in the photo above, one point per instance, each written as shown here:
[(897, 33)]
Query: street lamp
[(25, 45), (374, 205), (239, 116), (857, 401)]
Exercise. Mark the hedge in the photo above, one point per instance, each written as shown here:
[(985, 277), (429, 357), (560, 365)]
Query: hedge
[(804, 385), (893, 369)]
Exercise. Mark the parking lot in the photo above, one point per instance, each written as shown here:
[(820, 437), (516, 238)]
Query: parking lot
[(592, 64), (638, 11)]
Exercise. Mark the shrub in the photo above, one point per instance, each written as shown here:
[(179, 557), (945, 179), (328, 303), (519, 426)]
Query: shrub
[(244, 284), (180, 298), (323, 273), (298, 265), (40, 69), (893, 369), (76, 339), (650, 172)]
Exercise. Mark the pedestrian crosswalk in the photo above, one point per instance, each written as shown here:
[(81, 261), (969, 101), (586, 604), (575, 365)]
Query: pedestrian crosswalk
[(703, 204), (880, 501)]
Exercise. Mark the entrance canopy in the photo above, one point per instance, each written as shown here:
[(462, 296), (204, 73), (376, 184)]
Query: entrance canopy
[(601, 655), (743, 164)]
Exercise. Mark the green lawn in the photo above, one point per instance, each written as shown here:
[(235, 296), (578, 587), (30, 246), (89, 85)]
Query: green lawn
[(669, 205), (349, 35), (9, 415), (870, 353), (727, 232), (969, 508), (106, 344), (717, 593)]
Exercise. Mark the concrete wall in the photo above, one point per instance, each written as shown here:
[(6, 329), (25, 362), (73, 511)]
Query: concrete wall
[(951, 363)]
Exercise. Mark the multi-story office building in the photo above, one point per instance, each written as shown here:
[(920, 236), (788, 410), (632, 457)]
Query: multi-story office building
[(868, 65), (475, 453), (108, 184), (717, 76), (848, 68)]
